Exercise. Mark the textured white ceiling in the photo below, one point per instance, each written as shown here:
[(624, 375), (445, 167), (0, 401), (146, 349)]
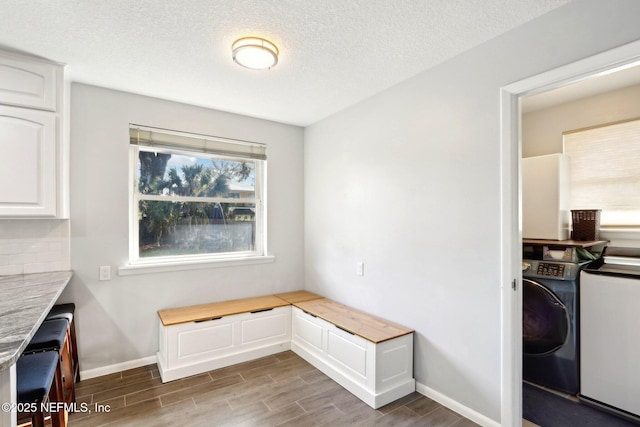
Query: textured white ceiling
[(334, 53)]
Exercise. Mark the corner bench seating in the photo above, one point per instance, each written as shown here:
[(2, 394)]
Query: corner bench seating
[(369, 356)]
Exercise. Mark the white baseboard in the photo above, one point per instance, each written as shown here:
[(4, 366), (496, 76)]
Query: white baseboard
[(111, 369), (456, 406)]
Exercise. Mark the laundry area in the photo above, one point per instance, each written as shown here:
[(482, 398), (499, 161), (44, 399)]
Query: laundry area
[(579, 328), (580, 267)]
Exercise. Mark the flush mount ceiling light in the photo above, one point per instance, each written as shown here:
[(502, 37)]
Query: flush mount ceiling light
[(255, 53)]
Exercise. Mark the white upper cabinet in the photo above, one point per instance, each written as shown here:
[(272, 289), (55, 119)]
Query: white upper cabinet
[(30, 137), (27, 162), (28, 82)]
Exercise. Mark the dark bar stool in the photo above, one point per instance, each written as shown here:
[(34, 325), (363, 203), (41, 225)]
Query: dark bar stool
[(67, 311), (52, 336), (38, 382)]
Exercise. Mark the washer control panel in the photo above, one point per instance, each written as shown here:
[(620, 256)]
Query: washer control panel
[(551, 270)]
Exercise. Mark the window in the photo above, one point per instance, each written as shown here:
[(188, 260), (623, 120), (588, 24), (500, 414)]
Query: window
[(195, 197), (605, 173)]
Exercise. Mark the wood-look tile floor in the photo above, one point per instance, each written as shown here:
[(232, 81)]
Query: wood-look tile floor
[(278, 390)]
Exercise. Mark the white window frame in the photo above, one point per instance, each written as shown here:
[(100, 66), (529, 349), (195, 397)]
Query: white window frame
[(138, 265)]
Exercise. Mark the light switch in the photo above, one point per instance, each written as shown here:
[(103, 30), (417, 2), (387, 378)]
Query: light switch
[(360, 268)]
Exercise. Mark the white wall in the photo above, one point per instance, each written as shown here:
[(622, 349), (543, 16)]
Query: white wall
[(116, 320), (542, 130), (409, 182)]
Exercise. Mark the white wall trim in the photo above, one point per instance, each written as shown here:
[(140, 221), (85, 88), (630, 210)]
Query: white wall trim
[(456, 406), (616, 59), (118, 367), (149, 268), (511, 258)]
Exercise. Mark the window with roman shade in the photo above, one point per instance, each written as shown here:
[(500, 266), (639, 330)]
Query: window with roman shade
[(195, 197), (605, 171)]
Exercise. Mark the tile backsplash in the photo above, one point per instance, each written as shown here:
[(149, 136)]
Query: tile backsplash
[(34, 246)]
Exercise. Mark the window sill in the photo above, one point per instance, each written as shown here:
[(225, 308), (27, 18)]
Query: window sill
[(133, 269)]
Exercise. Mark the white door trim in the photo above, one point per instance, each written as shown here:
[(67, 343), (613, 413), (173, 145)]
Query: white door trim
[(511, 239)]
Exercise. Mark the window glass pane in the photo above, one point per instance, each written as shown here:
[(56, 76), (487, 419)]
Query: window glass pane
[(192, 228), (172, 174)]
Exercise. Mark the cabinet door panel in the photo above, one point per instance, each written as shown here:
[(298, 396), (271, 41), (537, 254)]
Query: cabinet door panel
[(262, 326), (307, 329), (27, 162), (394, 361), (350, 351), (28, 83), (210, 338)]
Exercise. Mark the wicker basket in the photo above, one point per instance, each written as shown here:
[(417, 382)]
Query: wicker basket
[(586, 224)]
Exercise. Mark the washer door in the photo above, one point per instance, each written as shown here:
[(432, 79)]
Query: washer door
[(545, 320)]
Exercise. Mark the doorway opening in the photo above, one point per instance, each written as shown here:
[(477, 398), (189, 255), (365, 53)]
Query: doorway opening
[(580, 72)]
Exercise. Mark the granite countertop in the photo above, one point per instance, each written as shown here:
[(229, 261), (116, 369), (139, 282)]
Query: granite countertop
[(25, 301)]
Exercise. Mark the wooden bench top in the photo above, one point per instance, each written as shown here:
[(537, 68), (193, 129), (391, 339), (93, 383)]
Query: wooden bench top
[(367, 326), (298, 296), (195, 313)]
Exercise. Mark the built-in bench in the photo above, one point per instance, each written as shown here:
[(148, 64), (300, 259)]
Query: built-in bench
[(204, 337), (369, 356)]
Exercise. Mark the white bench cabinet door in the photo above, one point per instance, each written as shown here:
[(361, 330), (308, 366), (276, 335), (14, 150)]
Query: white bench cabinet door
[(264, 327), (193, 342), (28, 178), (309, 331), (348, 353)]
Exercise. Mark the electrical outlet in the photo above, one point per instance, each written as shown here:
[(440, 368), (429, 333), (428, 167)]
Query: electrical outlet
[(105, 272)]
